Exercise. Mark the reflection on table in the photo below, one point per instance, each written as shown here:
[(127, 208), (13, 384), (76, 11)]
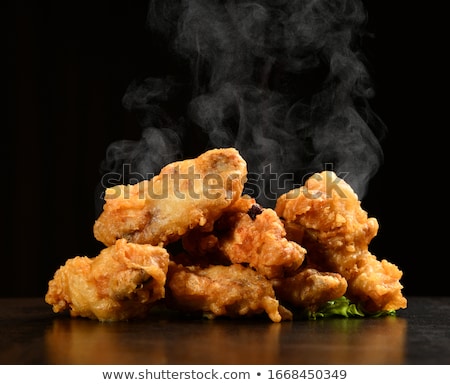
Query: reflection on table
[(169, 340)]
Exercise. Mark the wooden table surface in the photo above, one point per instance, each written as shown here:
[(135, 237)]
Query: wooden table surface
[(30, 333)]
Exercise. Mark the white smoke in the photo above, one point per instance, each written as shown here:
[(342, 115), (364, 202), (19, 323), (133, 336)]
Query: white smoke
[(282, 81)]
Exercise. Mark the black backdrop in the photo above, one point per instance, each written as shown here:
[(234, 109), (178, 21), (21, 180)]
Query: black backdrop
[(68, 66)]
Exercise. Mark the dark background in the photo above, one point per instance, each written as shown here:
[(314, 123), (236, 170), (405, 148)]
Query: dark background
[(68, 66)]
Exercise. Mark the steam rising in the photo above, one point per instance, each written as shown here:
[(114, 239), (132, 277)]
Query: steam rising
[(282, 81)]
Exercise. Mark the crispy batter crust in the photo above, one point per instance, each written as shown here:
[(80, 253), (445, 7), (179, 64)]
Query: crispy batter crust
[(260, 241), (184, 195), (230, 256), (122, 282), (309, 288), (327, 215), (223, 291)]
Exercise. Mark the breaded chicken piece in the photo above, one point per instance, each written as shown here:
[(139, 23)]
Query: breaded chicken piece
[(257, 237), (185, 194), (121, 283), (248, 234), (203, 245), (230, 291), (326, 214), (309, 288)]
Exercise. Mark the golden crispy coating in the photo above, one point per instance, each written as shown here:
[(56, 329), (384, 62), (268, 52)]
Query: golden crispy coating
[(228, 255), (336, 231), (230, 291), (309, 288), (377, 284), (257, 238), (121, 283), (184, 195), (204, 245), (247, 234), (198, 243)]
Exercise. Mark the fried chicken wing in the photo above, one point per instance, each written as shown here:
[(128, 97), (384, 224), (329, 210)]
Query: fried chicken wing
[(309, 288), (248, 234), (326, 214), (257, 238), (188, 239), (122, 282), (230, 291), (204, 245), (185, 194)]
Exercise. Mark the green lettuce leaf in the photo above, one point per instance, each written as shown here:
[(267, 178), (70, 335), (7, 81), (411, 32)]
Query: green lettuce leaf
[(343, 307)]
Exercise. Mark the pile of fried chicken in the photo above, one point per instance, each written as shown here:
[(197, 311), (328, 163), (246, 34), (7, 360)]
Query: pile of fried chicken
[(189, 239)]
